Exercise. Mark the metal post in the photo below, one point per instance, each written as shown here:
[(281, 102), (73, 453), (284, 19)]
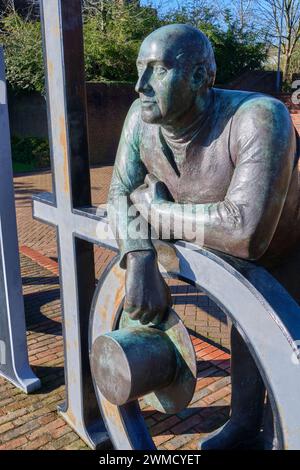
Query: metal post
[(14, 365), (63, 50)]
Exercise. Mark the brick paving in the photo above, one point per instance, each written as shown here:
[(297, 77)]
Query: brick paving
[(32, 422)]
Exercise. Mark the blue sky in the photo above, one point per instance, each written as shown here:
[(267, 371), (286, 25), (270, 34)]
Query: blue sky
[(157, 2), (169, 4)]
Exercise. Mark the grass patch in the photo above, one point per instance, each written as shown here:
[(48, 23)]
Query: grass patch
[(23, 167), (29, 154)]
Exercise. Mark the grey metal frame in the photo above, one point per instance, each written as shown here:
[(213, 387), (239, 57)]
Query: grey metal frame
[(69, 208), (14, 365)]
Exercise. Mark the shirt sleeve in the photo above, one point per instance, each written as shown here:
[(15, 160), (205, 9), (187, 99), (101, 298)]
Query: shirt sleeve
[(262, 145), (132, 232)]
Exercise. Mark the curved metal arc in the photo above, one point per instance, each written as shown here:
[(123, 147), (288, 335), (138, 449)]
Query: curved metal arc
[(281, 307)]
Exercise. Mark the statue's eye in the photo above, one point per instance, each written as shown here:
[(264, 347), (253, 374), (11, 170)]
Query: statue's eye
[(160, 70)]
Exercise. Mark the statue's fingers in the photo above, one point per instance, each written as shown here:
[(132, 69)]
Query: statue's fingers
[(133, 311), (150, 180), (139, 189), (134, 198), (136, 195), (159, 317), (147, 317)]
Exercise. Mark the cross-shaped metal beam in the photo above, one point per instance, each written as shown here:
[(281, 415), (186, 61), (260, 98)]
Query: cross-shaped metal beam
[(69, 207)]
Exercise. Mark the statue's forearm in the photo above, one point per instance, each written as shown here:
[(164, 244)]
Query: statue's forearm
[(122, 217), (178, 221), (223, 226)]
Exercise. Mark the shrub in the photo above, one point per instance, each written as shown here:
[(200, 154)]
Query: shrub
[(112, 43), (23, 53), (237, 50), (31, 150), (111, 46)]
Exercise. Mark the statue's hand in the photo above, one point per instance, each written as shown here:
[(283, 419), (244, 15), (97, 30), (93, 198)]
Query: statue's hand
[(148, 194), (147, 296)]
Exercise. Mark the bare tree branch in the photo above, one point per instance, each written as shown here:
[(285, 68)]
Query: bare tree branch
[(272, 11)]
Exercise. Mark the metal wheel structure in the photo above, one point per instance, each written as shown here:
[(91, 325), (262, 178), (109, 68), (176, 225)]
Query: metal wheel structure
[(255, 302)]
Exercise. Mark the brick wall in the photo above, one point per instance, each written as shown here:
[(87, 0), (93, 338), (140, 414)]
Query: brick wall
[(107, 106), (263, 81), (293, 108)]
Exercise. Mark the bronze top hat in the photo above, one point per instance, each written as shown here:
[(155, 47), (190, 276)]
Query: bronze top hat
[(157, 363)]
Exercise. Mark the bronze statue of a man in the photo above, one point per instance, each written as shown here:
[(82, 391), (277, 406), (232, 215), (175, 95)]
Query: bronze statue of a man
[(220, 159)]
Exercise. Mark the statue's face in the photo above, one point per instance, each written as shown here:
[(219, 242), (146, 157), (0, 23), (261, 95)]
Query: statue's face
[(165, 82)]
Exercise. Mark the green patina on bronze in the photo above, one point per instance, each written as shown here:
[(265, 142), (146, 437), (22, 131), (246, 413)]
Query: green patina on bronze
[(230, 158), (156, 362)]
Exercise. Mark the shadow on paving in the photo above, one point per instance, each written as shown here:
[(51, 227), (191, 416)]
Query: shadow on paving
[(208, 340), (187, 294), (205, 420), (32, 281), (24, 192), (203, 365), (52, 377), (36, 320)]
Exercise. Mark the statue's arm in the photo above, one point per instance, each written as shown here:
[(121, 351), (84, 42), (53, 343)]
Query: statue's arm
[(243, 224), (129, 172), (147, 296), (264, 145)]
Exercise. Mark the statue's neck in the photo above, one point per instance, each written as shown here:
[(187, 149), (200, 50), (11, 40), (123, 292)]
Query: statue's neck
[(186, 126)]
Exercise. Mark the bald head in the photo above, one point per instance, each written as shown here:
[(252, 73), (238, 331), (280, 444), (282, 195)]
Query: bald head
[(183, 44), (176, 69)]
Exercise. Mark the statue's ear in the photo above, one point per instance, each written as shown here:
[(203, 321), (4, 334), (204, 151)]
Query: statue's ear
[(199, 76)]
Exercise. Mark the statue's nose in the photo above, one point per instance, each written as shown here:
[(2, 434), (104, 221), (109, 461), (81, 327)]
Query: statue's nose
[(143, 84)]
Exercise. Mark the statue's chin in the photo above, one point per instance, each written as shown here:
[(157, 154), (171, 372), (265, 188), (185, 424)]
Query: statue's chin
[(151, 117)]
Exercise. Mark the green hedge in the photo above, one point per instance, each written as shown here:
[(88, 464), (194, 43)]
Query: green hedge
[(30, 152)]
